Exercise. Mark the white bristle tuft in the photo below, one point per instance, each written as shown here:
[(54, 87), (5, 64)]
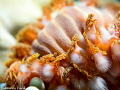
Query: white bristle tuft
[(24, 68), (61, 71), (36, 67), (102, 62), (115, 50), (61, 87), (47, 70), (76, 56), (105, 34), (97, 83), (77, 83)]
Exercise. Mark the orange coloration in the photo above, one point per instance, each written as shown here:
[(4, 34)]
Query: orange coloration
[(55, 5), (59, 4), (27, 34), (117, 23), (92, 2), (73, 47), (20, 51), (53, 60), (9, 62), (73, 44), (93, 30), (33, 57), (38, 23), (107, 47), (1, 78), (47, 58), (82, 71), (47, 12), (9, 77), (90, 21), (92, 48), (113, 7), (97, 41)]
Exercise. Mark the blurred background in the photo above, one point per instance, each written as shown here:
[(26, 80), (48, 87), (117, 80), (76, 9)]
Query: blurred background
[(14, 14)]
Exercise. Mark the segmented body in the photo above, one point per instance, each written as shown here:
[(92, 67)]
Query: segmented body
[(56, 36), (71, 59)]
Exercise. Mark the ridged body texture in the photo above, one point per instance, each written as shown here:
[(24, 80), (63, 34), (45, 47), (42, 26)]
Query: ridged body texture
[(57, 34), (79, 50)]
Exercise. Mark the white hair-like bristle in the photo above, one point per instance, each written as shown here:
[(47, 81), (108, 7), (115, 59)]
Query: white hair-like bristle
[(76, 56), (36, 67), (61, 70), (105, 34), (47, 72), (102, 62), (61, 87), (24, 68), (23, 77), (97, 83), (115, 52), (78, 84)]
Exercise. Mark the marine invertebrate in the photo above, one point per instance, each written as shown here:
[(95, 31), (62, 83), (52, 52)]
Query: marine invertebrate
[(76, 22), (78, 51), (27, 34), (95, 37), (19, 51)]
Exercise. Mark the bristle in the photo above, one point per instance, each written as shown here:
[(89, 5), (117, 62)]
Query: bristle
[(9, 62), (77, 51), (102, 62), (23, 77), (24, 68), (97, 83), (60, 72), (78, 83), (78, 56), (47, 72), (61, 87), (115, 50), (36, 67)]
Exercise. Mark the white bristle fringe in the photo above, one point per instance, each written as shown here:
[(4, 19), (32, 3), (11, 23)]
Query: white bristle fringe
[(97, 83), (36, 68), (102, 62), (24, 68), (61, 87), (76, 56), (47, 72), (78, 84)]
